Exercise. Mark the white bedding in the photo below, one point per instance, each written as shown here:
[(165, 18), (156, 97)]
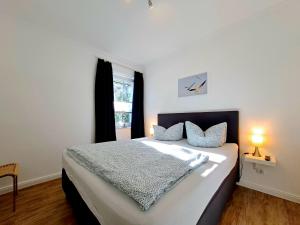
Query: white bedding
[(183, 205)]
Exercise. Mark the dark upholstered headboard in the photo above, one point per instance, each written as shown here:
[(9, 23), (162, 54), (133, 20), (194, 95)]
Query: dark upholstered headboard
[(205, 120)]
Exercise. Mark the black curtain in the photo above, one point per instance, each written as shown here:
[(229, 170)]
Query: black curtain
[(105, 129), (137, 123)]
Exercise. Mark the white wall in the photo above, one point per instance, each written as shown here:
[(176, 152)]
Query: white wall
[(253, 67), (46, 98), (123, 133)]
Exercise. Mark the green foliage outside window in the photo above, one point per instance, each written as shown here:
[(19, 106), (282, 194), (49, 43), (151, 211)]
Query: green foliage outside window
[(123, 119)]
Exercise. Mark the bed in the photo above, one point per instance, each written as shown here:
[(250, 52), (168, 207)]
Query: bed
[(198, 199)]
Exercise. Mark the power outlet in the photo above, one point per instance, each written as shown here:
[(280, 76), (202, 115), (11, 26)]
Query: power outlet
[(257, 169)]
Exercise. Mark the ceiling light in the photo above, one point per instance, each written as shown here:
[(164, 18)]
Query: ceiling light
[(150, 3)]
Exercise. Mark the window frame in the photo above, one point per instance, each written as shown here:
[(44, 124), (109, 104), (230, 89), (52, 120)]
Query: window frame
[(123, 79)]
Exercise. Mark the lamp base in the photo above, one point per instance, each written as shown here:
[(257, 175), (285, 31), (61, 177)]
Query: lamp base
[(256, 152)]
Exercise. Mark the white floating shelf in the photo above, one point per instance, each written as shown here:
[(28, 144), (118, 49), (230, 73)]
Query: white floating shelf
[(260, 160)]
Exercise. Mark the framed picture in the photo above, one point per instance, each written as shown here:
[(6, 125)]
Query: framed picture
[(192, 85)]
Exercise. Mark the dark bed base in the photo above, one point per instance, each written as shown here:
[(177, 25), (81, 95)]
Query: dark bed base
[(83, 214), (213, 211), (210, 216)]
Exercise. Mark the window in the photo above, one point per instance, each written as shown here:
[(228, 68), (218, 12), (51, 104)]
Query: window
[(123, 94)]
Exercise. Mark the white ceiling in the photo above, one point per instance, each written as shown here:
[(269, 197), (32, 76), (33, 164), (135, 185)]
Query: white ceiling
[(129, 29)]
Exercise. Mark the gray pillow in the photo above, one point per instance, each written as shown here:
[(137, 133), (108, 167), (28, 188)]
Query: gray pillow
[(213, 137), (173, 133)]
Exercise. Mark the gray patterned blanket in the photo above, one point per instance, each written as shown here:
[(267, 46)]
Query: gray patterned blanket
[(141, 168)]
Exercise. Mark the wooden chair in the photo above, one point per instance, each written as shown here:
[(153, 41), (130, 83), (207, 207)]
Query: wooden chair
[(11, 170)]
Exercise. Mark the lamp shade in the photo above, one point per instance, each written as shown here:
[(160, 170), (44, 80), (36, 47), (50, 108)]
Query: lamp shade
[(151, 131), (257, 139)]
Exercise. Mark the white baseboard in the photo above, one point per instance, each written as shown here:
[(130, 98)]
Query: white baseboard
[(30, 182), (270, 191)]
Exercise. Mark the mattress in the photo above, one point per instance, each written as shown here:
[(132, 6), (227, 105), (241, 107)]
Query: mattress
[(184, 204)]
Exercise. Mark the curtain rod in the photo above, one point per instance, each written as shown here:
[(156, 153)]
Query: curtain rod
[(119, 64)]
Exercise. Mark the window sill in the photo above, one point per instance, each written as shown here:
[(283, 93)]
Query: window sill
[(123, 128)]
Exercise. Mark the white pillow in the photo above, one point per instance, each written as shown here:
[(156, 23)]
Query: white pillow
[(213, 137), (173, 133)]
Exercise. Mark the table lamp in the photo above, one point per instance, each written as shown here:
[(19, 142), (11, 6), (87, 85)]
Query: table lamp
[(257, 140), (151, 131)]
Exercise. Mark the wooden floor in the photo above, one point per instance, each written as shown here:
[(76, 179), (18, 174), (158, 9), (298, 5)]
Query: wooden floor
[(249, 207), (45, 204)]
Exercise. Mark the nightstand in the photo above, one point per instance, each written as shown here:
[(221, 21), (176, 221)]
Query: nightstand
[(260, 160), (257, 162)]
